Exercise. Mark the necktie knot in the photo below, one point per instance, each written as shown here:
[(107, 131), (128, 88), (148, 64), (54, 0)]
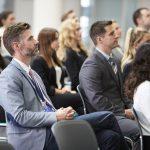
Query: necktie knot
[(31, 73)]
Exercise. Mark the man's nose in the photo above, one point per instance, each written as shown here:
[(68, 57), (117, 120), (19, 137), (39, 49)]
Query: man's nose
[(116, 36)]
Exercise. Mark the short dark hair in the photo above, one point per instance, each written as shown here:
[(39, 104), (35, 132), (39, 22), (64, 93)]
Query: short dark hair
[(98, 29), (137, 14), (65, 16), (13, 34), (4, 15)]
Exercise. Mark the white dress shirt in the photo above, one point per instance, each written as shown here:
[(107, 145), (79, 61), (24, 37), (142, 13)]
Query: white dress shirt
[(58, 76), (23, 65), (103, 53), (142, 106)]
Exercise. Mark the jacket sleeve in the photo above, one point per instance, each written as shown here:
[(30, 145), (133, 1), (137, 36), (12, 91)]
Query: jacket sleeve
[(12, 100), (91, 77)]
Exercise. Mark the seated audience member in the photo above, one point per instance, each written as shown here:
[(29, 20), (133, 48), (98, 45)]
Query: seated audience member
[(50, 69), (137, 86), (117, 52), (100, 79), (72, 51), (136, 39), (7, 18), (30, 112), (141, 19), (69, 15)]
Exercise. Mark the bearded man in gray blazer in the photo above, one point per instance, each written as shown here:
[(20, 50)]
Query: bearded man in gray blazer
[(30, 112)]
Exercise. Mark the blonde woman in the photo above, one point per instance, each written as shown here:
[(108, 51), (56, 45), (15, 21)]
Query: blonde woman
[(136, 39), (71, 50)]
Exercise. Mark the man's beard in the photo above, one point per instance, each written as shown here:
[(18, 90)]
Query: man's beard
[(31, 52)]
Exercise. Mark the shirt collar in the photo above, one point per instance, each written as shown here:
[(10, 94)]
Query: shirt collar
[(23, 65), (103, 53)]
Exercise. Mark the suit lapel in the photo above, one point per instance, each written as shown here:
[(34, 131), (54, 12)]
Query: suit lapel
[(23, 72), (108, 66), (17, 65)]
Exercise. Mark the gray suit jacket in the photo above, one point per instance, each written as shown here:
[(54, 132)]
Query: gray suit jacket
[(19, 99), (102, 88)]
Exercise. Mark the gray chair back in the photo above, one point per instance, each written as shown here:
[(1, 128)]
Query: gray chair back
[(82, 98), (74, 135), (4, 145)]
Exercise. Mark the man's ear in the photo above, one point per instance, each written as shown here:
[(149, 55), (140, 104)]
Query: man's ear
[(16, 46), (99, 39)]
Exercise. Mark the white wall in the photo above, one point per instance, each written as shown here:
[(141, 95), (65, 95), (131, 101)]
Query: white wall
[(43, 13), (23, 10), (46, 13)]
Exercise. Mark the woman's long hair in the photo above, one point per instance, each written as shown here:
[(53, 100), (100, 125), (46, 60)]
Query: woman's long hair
[(2, 62), (140, 71), (132, 39), (45, 38), (67, 38)]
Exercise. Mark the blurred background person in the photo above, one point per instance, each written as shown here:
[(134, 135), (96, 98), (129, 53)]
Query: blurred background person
[(117, 52), (137, 87), (71, 51), (69, 15), (7, 18), (52, 72), (136, 39), (141, 19)]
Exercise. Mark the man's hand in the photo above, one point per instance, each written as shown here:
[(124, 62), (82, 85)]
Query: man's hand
[(129, 113), (65, 113), (61, 91)]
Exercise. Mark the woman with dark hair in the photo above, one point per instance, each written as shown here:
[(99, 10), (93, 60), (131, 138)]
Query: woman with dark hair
[(137, 86), (48, 66), (7, 18)]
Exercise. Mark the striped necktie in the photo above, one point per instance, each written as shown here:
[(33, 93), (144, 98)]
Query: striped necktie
[(40, 92), (113, 64)]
